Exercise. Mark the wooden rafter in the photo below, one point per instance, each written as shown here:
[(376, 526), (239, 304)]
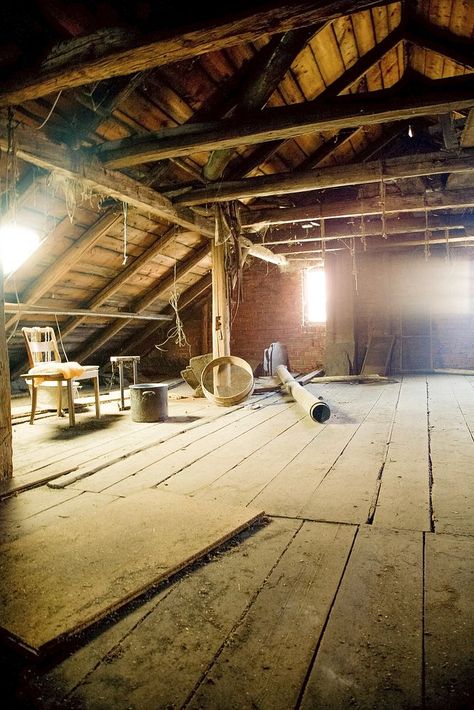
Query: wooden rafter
[(131, 54), (38, 150), (259, 86), (349, 111), (339, 176), (332, 209), (342, 229)]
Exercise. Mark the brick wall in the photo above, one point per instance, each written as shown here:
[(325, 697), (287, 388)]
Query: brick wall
[(272, 310)]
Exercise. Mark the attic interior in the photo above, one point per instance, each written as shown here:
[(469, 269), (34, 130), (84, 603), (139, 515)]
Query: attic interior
[(274, 185)]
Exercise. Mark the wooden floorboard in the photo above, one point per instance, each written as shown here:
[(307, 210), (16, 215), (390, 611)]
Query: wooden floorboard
[(172, 647), (302, 587), (317, 608), (371, 652), (356, 472), (404, 500), (452, 458), (291, 488), (449, 621)]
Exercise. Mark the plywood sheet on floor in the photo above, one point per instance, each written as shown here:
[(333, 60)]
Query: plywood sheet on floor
[(62, 578)]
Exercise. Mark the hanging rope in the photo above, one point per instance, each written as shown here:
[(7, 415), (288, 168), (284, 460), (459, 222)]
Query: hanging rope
[(61, 338), (125, 234), (176, 332)]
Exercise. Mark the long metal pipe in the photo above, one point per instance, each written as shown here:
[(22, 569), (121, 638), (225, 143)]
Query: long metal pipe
[(317, 409)]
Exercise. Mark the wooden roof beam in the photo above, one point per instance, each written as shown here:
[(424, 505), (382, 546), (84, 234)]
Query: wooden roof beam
[(342, 83), (259, 86), (127, 54), (341, 229), (37, 150), (255, 220), (349, 111), (339, 176)]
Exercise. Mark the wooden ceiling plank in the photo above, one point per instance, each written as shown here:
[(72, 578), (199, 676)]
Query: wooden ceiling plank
[(323, 178), (430, 37), (290, 121), (129, 55)]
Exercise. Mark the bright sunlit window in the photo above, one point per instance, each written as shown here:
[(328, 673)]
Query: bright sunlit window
[(16, 245), (314, 296)]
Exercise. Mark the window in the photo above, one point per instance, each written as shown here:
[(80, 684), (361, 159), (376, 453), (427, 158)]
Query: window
[(16, 245), (314, 296)]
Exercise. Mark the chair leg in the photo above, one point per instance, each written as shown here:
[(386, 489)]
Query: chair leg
[(70, 402), (34, 392), (97, 397)]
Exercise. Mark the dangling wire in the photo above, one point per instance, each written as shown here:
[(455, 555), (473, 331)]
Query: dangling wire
[(323, 243), (448, 253), (427, 234), (382, 201), (125, 229), (362, 221), (38, 128), (354, 264)]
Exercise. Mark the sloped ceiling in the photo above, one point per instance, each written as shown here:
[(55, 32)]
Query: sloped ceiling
[(123, 122)]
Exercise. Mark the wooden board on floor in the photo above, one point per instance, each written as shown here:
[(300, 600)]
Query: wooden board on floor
[(371, 652), (158, 662), (282, 628), (61, 579), (449, 621), (452, 457), (404, 500)]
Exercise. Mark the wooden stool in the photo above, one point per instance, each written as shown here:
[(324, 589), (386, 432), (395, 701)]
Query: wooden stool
[(120, 360)]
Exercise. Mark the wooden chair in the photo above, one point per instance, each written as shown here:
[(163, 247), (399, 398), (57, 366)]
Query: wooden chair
[(46, 366)]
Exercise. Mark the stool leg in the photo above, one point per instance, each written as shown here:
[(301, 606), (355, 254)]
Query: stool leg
[(122, 393), (135, 372), (34, 392), (96, 396), (60, 399), (70, 402)]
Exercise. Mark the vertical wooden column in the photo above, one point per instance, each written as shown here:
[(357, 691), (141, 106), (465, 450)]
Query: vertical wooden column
[(205, 328), (6, 464), (220, 315)]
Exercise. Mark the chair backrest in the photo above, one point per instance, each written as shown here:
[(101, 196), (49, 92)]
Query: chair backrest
[(41, 345)]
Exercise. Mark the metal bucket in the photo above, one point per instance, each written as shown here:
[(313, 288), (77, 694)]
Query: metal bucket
[(149, 402)]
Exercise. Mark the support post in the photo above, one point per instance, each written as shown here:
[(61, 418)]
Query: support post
[(220, 306), (6, 451)]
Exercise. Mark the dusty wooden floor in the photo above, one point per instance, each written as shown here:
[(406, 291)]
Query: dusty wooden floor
[(357, 592)]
